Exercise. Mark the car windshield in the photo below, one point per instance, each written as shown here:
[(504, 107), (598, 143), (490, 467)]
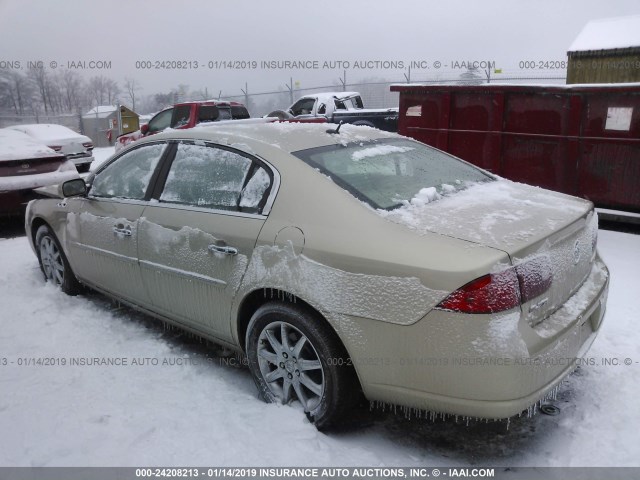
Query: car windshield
[(387, 173)]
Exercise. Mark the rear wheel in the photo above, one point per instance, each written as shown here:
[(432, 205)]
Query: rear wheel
[(295, 356), (53, 262)]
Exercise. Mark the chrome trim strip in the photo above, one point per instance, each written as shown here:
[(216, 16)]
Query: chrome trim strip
[(184, 273), (104, 252), (213, 211)]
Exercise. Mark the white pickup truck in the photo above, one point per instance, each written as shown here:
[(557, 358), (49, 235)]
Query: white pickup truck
[(339, 107)]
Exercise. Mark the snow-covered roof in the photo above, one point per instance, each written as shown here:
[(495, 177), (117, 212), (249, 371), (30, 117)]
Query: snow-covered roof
[(101, 111), (608, 33)]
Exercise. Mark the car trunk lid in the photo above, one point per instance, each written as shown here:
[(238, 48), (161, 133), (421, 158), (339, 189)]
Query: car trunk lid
[(30, 166), (528, 223)]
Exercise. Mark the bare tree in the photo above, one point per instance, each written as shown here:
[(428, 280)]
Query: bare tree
[(15, 91), (131, 88), (96, 89), (112, 90), (71, 86), (40, 80)]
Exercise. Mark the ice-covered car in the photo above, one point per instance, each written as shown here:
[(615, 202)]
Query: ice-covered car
[(26, 164), (340, 262), (76, 147)]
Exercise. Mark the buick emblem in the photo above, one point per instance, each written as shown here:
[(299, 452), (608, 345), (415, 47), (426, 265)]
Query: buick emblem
[(24, 166), (576, 252)]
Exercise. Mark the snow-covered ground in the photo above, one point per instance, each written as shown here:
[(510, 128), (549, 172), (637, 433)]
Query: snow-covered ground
[(205, 413), (101, 155)]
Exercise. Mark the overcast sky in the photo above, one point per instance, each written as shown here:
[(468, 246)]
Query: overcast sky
[(206, 31)]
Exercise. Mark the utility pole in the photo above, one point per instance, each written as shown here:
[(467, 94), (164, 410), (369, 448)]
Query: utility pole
[(290, 88), (343, 80), (246, 94)]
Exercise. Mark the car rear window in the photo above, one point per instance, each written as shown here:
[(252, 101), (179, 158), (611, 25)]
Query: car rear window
[(390, 172), (239, 112)]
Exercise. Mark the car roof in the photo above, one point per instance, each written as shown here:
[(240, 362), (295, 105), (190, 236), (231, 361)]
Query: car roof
[(46, 131), (267, 134), (222, 103), (15, 145)]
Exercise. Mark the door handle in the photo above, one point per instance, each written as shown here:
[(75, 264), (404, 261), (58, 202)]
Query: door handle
[(223, 249), (126, 231)]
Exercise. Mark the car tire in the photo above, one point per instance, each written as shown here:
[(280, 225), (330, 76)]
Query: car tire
[(53, 262), (311, 365)]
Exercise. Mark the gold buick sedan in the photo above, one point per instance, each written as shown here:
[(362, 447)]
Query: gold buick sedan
[(342, 262)]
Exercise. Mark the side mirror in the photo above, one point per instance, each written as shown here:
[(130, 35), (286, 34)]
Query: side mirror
[(144, 129), (73, 188)]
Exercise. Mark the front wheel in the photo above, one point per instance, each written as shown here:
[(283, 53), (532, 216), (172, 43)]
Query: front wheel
[(295, 356), (54, 263)]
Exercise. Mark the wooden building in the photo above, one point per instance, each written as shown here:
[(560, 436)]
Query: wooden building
[(606, 51)]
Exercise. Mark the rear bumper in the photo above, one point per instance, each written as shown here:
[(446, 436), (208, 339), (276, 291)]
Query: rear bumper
[(17, 191), (14, 202), (488, 366), (81, 161)]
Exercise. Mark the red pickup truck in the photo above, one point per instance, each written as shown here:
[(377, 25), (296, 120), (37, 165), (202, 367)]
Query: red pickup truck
[(186, 115)]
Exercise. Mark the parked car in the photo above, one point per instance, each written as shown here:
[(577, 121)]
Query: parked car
[(339, 262), (26, 164), (186, 115), (77, 148), (337, 107)]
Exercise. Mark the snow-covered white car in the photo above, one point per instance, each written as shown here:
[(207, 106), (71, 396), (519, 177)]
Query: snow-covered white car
[(340, 261), (26, 164), (76, 147)]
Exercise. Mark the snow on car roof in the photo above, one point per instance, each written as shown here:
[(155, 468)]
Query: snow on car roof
[(47, 132), (287, 136), (15, 145), (608, 33), (324, 96)]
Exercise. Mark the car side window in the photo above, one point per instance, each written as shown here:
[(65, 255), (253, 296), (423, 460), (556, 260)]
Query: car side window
[(254, 192), (129, 175), (211, 177), (181, 116), (160, 121), (208, 113), (304, 106)]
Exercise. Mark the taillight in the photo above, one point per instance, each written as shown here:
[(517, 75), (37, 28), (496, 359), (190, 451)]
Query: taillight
[(534, 278), (497, 292)]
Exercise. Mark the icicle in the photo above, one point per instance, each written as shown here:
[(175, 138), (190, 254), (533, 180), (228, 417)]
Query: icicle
[(508, 423)]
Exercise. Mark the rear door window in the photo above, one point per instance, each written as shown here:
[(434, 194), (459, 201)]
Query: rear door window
[(210, 177)]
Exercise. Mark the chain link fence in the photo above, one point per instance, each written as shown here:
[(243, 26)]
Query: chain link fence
[(69, 120), (375, 94)]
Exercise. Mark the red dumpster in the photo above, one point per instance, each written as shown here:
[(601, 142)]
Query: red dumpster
[(582, 140)]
